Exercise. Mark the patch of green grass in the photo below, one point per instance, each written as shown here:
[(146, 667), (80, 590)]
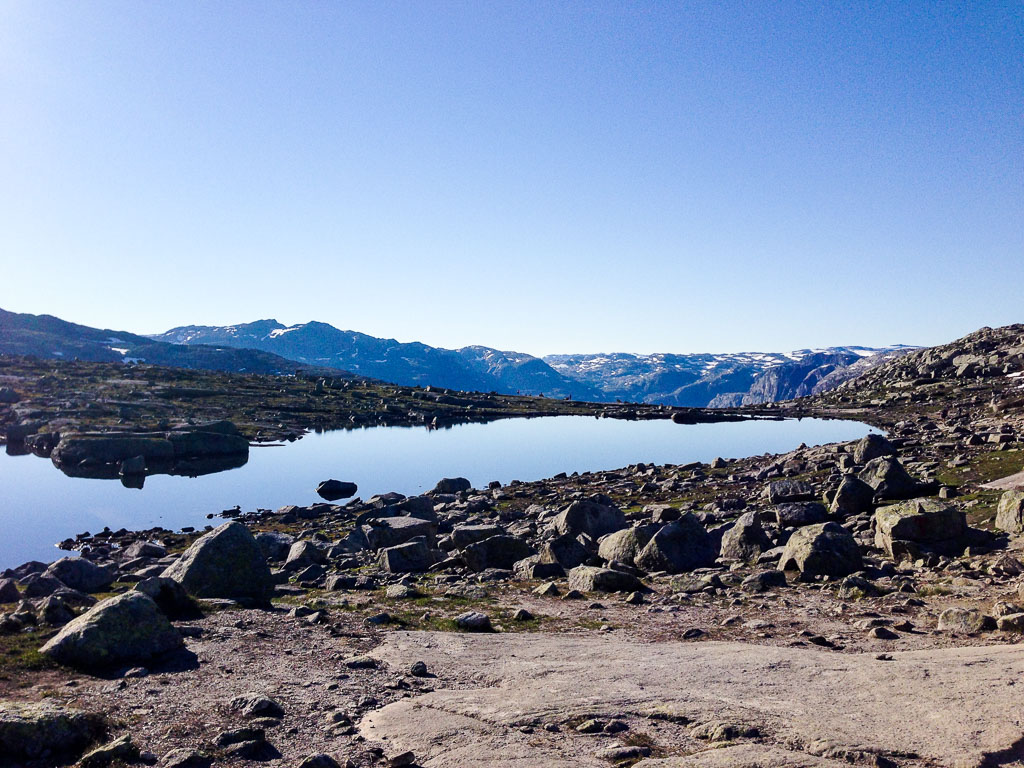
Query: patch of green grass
[(983, 468), (20, 653)]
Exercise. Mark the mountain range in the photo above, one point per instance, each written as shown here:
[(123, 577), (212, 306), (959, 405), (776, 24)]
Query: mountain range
[(694, 380), (267, 346)]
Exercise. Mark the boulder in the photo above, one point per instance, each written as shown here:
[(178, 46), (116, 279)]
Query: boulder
[(853, 497), (587, 578), (452, 485), (35, 730), (41, 585), (623, 546), (9, 592), (746, 539), (81, 574), (781, 491), (128, 628), (392, 531), (762, 581), (274, 544), (1010, 513), (534, 568), (169, 596), (332, 490), (496, 552), (904, 530), (472, 621), (225, 563), (464, 535), (411, 557), (798, 514), (889, 479), (827, 549), (871, 447), (121, 751), (591, 517), (201, 442), (967, 621), (96, 449), (566, 551), (144, 549), (303, 554), (682, 545)]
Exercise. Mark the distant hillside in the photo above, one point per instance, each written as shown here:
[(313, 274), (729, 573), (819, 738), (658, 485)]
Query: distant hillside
[(267, 346), (719, 380), (48, 336), (470, 368)]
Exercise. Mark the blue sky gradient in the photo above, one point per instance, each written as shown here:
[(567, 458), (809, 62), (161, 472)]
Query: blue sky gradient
[(545, 177)]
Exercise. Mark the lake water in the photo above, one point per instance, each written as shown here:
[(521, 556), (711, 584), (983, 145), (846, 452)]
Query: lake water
[(39, 505)]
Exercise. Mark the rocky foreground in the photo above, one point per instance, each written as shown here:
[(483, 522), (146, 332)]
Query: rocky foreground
[(857, 603)]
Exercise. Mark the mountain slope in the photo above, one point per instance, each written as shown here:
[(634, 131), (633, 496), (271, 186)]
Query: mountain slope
[(48, 336), (471, 368), (716, 380)]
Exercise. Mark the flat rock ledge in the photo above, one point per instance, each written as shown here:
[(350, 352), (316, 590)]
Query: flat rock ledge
[(955, 707)]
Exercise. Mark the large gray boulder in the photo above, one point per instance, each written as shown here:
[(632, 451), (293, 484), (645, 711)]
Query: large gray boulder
[(682, 545), (1010, 512), (274, 544), (746, 539), (81, 574), (821, 550), (800, 513), (30, 730), (623, 546), (782, 491), (464, 535), (853, 497), (587, 578), (303, 554), (590, 517), (392, 531), (496, 552), (452, 485), (411, 557), (225, 563), (567, 551), (889, 479), (871, 447), (907, 529), (128, 628)]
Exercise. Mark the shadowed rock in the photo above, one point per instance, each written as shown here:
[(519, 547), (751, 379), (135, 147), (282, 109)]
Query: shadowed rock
[(128, 628), (680, 546), (225, 563), (821, 550)]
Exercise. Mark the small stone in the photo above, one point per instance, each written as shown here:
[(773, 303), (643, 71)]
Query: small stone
[(418, 669), (522, 614), (883, 633), (590, 726), (319, 761), (473, 621), (398, 761)]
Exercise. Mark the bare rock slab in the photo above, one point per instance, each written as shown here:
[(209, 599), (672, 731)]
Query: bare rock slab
[(950, 706)]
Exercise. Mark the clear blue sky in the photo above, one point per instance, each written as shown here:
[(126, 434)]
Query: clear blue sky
[(539, 176)]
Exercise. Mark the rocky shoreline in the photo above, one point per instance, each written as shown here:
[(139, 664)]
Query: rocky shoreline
[(589, 619)]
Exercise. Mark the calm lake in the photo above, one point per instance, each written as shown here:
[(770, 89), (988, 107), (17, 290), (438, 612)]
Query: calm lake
[(40, 505)]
